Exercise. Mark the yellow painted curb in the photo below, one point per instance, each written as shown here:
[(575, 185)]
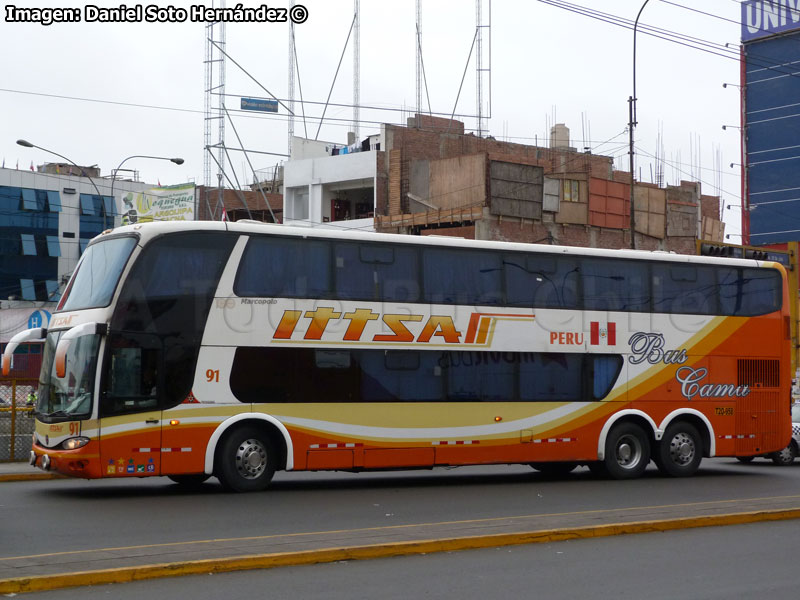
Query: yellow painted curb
[(30, 476), (327, 555)]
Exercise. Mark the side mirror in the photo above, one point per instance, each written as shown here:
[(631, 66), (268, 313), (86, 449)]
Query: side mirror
[(37, 333), (66, 339)]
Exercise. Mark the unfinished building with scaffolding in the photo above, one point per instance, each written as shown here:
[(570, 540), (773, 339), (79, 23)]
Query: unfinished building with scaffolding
[(431, 177)]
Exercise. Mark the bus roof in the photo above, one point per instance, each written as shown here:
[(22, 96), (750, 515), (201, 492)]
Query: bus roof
[(147, 231)]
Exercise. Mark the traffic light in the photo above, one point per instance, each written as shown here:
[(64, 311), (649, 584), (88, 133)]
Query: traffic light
[(756, 254), (723, 250), (734, 251)]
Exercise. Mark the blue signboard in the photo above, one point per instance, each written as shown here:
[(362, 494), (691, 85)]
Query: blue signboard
[(772, 137), (38, 318), (260, 104), (761, 18)]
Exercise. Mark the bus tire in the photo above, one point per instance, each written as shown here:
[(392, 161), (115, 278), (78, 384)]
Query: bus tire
[(627, 451), (246, 460), (680, 451), (785, 457)]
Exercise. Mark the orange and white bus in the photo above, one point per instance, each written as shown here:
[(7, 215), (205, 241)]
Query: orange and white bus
[(238, 349)]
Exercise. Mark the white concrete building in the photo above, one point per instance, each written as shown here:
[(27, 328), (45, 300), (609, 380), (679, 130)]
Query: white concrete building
[(46, 220), (332, 186)]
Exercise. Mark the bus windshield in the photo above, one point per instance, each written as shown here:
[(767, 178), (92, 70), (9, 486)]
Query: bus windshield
[(69, 397), (97, 274)]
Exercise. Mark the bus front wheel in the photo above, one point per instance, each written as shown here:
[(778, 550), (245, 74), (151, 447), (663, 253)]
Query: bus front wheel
[(627, 451), (680, 450), (246, 460)]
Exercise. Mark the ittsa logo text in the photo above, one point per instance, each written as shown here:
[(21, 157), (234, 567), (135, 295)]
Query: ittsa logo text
[(403, 327)]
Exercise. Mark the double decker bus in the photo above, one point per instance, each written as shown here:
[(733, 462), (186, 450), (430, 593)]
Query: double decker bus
[(234, 350)]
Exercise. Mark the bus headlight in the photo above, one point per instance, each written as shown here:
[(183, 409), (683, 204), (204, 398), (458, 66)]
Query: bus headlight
[(74, 443)]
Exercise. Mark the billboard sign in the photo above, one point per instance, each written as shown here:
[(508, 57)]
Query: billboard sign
[(168, 203), (761, 18)]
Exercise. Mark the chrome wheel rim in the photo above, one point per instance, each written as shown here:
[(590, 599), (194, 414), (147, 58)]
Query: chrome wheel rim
[(251, 459), (682, 449), (628, 452)]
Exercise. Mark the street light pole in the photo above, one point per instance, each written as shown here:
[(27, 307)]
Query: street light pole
[(177, 161), (27, 144), (631, 124)]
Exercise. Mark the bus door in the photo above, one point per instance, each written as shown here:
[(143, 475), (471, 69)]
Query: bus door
[(130, 407)]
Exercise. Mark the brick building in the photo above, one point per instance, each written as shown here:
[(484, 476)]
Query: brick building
[(432, 178), (209, 205)]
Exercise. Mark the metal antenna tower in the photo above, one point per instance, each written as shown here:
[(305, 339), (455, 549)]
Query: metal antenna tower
[(291, 82), (356, 68), (483, 56), (214, 102), (418, 47)]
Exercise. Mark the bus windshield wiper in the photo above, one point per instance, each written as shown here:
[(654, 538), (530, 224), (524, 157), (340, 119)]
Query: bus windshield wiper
[(58, 413)]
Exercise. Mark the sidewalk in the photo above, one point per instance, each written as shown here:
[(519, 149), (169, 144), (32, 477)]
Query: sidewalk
[(22, 471)]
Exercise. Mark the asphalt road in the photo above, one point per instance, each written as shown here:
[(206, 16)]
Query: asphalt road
[(71, 515), (720, 563)]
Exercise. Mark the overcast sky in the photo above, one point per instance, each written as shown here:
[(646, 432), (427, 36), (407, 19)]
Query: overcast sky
[(99, 92)]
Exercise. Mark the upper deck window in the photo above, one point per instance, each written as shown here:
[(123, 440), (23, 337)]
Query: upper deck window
[(98, 272), (748, 292), (375, 272), (284, 267), (453, 276)]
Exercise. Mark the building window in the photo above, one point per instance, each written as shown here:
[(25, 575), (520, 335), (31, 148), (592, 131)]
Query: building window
[(53, 245), (28, 244), (29, 200), (53, 295), (87, 205), (571, 189), (54, 200), (28, 290), (108, 206)]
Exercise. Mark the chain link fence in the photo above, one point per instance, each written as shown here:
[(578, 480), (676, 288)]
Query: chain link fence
[(16, 419)]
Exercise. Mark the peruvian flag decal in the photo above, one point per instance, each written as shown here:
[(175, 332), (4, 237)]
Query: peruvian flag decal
[(606, 336)]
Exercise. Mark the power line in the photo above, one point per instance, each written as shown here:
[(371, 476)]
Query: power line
[(713, 48)]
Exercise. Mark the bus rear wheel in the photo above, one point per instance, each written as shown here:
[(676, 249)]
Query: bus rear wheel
[(784, 457), (246, 460), (627, 451), (680, 450)]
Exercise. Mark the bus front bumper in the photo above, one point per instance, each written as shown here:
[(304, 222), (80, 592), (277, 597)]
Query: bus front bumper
[(70, 463)]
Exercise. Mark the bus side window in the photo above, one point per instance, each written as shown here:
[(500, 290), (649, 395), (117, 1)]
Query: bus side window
[(132, 378), (684, 289), (399, 280), (274, 267), (541, 281), (615, 285), (605, 371), (551, 377), (749, 292), (375, 272), (462, 277)]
